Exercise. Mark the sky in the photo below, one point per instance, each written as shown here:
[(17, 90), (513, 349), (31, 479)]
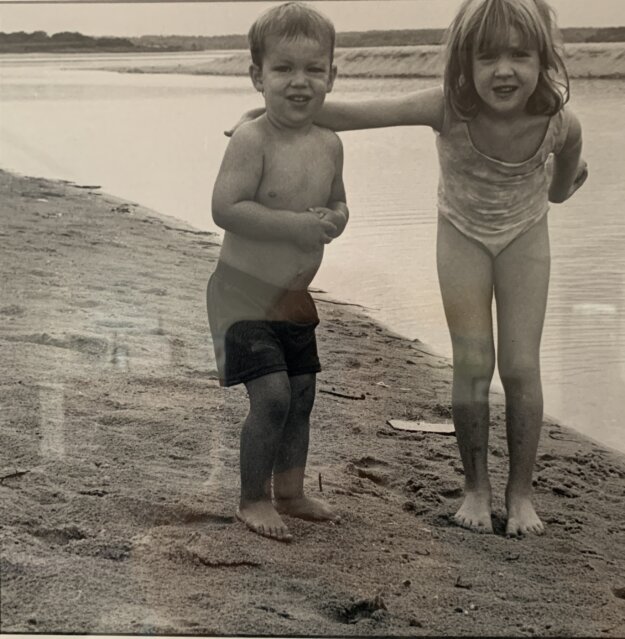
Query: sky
[(212, 18)]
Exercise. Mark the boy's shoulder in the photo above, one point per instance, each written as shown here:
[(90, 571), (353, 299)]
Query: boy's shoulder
[(252, 133), (329, 137)]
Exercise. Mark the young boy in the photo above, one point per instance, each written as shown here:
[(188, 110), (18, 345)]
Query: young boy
[(280, 197)]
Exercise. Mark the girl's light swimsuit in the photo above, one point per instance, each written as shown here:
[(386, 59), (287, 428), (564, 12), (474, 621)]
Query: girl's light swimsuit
[(487, 200)]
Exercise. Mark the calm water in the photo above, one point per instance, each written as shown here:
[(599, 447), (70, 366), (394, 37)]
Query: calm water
[(156, 139)]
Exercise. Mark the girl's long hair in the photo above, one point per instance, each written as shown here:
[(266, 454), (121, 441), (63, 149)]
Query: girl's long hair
[(485, 25)]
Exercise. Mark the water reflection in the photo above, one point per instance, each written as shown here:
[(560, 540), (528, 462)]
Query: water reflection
[(157, 139)]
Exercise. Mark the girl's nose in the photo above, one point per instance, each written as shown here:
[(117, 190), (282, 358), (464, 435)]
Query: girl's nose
[(503, 67)]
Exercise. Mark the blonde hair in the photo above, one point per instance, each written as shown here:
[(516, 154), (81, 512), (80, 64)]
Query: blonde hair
[(290, 20), (485, 25)]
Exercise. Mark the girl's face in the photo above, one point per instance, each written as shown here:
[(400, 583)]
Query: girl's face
[(506, 77)]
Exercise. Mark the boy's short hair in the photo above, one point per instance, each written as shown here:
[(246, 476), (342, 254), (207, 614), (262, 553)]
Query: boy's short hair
[(290, 20)]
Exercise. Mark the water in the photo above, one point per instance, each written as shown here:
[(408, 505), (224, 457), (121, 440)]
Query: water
[(157, 140)]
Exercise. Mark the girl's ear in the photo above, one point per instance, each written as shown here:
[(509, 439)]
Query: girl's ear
[(332, 77), (257, 77)]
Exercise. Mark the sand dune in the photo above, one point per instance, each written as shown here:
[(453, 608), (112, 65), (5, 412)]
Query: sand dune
[(588, 60)]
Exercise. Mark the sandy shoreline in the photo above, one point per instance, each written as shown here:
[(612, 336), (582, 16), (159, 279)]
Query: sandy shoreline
[(120, 459), (583, 60)]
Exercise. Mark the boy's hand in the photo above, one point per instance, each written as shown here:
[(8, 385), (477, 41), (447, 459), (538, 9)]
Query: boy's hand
[(336, 218), (314, 231)]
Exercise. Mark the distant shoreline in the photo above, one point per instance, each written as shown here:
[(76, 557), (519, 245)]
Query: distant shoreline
[(583, 60)]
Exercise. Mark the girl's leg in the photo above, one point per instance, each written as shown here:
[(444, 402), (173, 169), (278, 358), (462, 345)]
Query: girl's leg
[(270, 402), (521, 283), (466, 281), (290, 464)]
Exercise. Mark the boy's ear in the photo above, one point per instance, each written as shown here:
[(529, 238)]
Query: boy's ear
[(332, 77), (257, 77)]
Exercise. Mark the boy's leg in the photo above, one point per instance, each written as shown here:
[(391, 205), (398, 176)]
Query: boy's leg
[(270, 400), (521, 283), (290, 465), (466, 283)]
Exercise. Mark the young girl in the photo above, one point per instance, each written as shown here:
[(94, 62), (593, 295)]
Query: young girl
[(499, 118)]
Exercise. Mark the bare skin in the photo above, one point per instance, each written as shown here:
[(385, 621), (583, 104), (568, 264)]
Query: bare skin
[(288, 488), (518, 277), (262, 518)]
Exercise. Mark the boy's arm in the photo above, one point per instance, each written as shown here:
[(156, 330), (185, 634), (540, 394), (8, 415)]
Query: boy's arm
[(569, 169), (336, 211), (235, 210), (425, 107)]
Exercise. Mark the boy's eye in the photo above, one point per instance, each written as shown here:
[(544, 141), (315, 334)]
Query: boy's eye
[(281, 68)]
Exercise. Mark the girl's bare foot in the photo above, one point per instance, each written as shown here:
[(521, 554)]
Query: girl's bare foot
[(475, 512), (261, 517), (306, 508), (522, 518)]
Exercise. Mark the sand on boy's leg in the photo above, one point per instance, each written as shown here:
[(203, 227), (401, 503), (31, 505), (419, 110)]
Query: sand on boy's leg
[(290, 464), (465, 273), (270, 402)]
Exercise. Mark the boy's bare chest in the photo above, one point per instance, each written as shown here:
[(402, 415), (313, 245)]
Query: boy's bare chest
[(296, 175)]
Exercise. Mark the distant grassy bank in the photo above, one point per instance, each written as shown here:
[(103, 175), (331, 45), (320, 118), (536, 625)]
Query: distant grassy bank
[(69, 41), (583, 60)]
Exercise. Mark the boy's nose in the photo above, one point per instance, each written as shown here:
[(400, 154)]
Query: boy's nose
[(298, 78)]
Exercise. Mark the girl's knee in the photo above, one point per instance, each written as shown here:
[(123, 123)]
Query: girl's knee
[(474, 359), (519, 376)]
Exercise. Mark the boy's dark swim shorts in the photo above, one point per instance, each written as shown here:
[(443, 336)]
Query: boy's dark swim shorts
[(258, 328)]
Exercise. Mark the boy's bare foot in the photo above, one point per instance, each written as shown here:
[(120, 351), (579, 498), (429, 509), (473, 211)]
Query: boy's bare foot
[(475, 512), (522, 518), (306, 508), (261, 517)]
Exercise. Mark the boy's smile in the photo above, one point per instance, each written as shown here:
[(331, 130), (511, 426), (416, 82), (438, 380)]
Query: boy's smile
[(506, 78), (294, 79)]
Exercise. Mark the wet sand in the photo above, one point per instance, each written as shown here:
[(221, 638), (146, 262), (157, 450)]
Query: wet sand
[(119, 468)]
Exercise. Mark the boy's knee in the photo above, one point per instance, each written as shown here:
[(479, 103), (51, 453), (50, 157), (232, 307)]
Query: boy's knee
[(271, 400)]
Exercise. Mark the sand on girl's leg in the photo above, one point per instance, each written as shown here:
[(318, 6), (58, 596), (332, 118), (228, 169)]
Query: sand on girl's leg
[(262, 518), (288, 490)]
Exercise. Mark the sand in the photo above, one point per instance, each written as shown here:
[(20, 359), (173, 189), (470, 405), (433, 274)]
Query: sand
[(583, 60), (119, 471)]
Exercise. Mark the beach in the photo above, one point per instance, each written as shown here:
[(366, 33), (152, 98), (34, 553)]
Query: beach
[(119, 476)]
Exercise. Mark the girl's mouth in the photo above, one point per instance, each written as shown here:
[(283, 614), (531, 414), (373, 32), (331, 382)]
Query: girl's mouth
[(504, 90)]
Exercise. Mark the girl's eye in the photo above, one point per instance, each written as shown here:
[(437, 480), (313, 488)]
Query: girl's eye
[(317, 70), (521, 54)]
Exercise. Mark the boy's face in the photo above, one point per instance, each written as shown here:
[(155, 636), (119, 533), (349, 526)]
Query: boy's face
[(295, 77)]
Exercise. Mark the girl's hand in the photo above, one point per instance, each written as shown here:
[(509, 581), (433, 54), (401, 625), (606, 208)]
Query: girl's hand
[(248, 116)]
